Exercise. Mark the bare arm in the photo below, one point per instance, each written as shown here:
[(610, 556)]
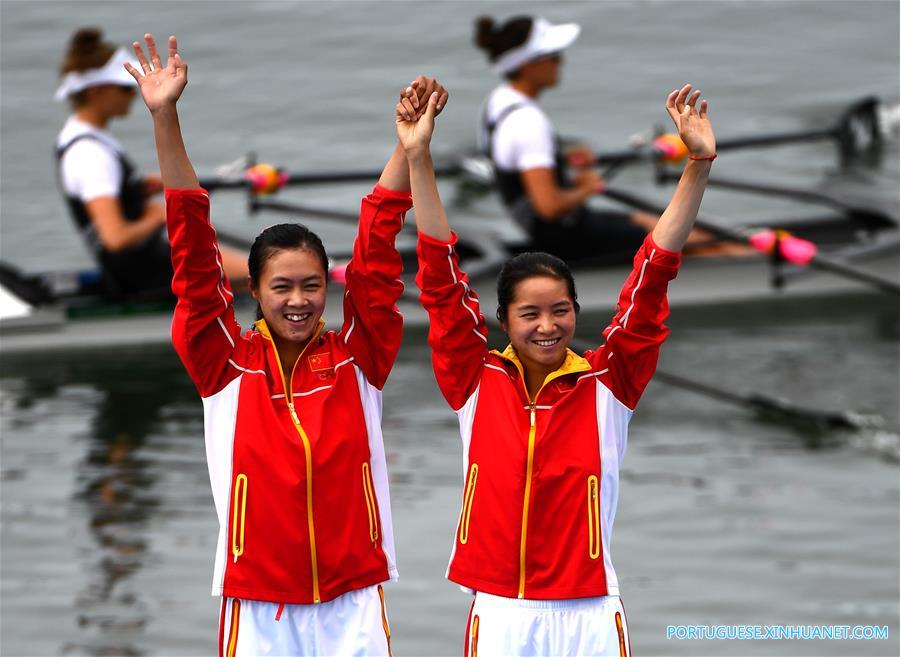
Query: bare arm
[(161, 87), (415, 137), (115, 233), (552, 202), (395, 175), (696, 132)]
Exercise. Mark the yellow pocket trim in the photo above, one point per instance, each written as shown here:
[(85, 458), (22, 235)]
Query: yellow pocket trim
[(240, 489), (467, 503), (593, 507), (368, 491)]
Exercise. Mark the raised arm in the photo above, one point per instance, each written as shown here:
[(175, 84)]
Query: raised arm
[(457, 332), (204, 331), (633, 338), (373, 326), (161, 87), (693, 126)]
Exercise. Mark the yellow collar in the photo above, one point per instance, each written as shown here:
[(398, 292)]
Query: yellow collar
[(572, 363), (263, 329)]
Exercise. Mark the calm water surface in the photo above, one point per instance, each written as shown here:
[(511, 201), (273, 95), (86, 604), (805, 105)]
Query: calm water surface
[(108, 527)]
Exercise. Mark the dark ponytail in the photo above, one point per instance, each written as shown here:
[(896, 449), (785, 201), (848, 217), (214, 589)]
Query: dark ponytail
[(276, 238), (87, 50), (496, 40), (531, 265)]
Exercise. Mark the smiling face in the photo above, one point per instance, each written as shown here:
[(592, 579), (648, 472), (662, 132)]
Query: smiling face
[(291, 296), (540, 323)]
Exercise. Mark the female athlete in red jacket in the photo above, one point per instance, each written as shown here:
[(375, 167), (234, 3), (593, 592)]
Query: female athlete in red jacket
[(544, 429), (292, 412)]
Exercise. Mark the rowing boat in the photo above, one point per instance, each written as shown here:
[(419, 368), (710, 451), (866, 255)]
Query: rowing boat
[(88, 320), (71, 311)]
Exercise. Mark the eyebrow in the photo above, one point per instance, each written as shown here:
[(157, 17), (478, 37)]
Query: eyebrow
[(285, 279), (564, 302)]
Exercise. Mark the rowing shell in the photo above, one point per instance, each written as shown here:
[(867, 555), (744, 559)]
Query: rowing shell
[(701, 282)]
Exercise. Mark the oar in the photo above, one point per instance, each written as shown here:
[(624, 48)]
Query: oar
[(746, 236), (772, 407), (767, 405), (871, 218), (258, 183), (857, 131), (887, 244), (301, 211)]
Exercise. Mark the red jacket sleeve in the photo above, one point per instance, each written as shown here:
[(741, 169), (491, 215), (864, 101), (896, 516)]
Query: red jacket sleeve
[(373, 325), (634, 336), (457, 332), (204, 331)]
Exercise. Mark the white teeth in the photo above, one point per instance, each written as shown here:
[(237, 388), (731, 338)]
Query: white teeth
[(297, 318), (546, 343)]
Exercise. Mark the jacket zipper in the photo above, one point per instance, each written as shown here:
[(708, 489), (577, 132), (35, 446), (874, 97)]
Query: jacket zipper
[(530, 465), (289, 398), (525, 502)]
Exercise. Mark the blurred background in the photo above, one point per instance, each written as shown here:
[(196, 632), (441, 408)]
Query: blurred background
[(108, 527)]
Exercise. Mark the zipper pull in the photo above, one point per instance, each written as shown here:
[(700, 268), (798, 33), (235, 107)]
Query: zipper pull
[(293, 413), (532, 414)]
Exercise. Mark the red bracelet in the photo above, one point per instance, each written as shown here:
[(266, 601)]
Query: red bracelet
[(701, 159)]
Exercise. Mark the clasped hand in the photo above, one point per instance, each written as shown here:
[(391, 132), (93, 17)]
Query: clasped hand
[(420, 102)]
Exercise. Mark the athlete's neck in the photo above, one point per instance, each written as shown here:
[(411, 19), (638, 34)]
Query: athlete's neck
[(92, 116), (524, 86)]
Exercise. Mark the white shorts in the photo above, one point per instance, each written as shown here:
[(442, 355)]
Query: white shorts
[(579, 626), (352, 624)]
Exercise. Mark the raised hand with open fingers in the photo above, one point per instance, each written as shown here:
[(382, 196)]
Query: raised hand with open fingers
[(161, 86), (693, 124)]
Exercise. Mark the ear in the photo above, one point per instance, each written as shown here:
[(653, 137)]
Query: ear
[(254, 292)]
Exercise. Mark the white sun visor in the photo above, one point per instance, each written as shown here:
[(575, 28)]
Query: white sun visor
[(545, 38), (113, 72)]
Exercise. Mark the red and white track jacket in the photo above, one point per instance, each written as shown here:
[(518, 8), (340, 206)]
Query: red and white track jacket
[(542, 475), (296, 459)]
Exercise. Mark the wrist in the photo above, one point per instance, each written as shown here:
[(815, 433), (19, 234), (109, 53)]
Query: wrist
[(167, 111), (418, 154), (589, 188)]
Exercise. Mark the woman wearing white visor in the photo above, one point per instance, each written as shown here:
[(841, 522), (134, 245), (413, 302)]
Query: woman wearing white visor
[(113, 206), (530, 164)]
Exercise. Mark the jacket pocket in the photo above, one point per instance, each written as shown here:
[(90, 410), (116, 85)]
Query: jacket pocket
[(238, 517), (469, 496), (593, 512), (371, 508)]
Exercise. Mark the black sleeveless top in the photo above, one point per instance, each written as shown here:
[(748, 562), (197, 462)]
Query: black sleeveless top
[(146, 267), (509, 181)]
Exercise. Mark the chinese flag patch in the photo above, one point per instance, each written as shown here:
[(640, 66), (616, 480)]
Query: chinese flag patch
[(564, 386), (320, 362)]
